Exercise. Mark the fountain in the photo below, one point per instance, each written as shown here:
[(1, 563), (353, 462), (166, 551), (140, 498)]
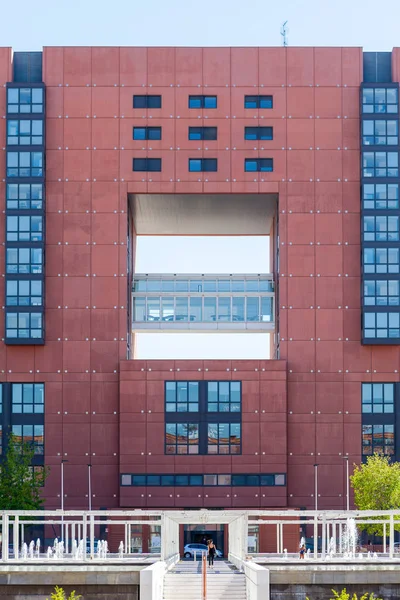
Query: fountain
[(332, 547), (74, 550), (49, 553), (31, 549), (307, 555), (121, 550), (285, 553), (349, 539), (24, 551), (38, 548)]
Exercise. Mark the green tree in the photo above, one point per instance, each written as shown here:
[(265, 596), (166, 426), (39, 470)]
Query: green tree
[(20, 484), (376, 485)]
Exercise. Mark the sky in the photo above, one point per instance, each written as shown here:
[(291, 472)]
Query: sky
[(30, 25)]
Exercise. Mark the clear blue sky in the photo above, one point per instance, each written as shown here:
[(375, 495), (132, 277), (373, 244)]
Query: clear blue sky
[(30, 25)]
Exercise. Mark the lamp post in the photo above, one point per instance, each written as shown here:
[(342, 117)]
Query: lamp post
[(62, 497), (346, 458), (90, 485), (316, 485)]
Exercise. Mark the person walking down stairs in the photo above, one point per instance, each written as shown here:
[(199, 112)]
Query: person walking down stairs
[(211, 553)]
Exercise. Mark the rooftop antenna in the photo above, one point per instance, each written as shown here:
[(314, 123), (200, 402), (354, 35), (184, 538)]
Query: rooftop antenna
[(284, 32)]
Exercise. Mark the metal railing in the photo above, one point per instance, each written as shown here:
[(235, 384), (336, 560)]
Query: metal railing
[(204, 577)]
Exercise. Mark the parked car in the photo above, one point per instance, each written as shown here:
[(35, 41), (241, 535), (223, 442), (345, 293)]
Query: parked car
[(190, 549)]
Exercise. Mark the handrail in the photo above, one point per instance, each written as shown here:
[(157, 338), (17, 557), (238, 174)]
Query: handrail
[(204, 577)]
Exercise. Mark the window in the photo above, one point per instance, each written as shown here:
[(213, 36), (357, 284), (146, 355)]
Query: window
[(381, 292), (380, 100), (25, 132), (126, 479), (24, 260), (377, 397), (147, 133), (382, 325), (381, 195), (147, 164), (380, 164), (25, 100), (181, 396), (223, 396), (27, 398), (203, 164), (202, 101), (377, 439), (259, 164), (380, 133), (147, 101), (30, 434), (182, 438), (24, 292), (24, 325), (175, 480), (258, 102), (24, 229), (24, 164), (381, 229), (381, 260), (258, 133), (173, 309), (202, 133), (224, 438)]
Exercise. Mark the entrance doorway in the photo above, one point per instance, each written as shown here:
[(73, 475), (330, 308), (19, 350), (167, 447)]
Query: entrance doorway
[(199, 534)]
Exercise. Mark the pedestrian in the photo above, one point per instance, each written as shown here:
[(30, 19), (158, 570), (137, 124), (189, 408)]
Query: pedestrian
[(211, 553), (302, 551)]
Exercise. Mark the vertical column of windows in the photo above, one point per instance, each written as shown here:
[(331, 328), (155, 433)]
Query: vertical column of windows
[(25, 214), (380, 213)]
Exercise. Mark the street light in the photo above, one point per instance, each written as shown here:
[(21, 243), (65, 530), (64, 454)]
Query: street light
[(346, 458), (63, 460), (316, 486), (90, 485)]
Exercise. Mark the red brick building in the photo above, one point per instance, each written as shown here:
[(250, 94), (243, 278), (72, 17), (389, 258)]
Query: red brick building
[(269, 138)]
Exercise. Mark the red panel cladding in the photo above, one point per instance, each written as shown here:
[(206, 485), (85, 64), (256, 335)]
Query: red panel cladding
[(105, 66), (300, 66), (86, 284), (216, 66), (333, 58), (189, 66), (244, 66), (77, 66)]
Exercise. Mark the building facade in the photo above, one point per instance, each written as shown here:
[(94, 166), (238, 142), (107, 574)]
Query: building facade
[(101, 145)]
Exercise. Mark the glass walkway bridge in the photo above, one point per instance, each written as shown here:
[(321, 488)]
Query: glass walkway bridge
[(203, 303)]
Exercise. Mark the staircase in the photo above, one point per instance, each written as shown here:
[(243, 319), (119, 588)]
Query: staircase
[(224, 582)]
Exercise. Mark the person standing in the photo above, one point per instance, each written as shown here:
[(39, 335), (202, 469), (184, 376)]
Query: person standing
[(211, 553), (302, 551)]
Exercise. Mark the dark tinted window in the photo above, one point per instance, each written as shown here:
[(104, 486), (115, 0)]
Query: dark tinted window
[(202, 101), (202, 133), (147, 164), (203, 164), (258, 164), (138, 479), (258, 133), (146, 101), (258, 102), (147, 133)]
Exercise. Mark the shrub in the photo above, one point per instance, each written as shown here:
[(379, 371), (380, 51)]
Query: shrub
[(344, 595), (59, 594)]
